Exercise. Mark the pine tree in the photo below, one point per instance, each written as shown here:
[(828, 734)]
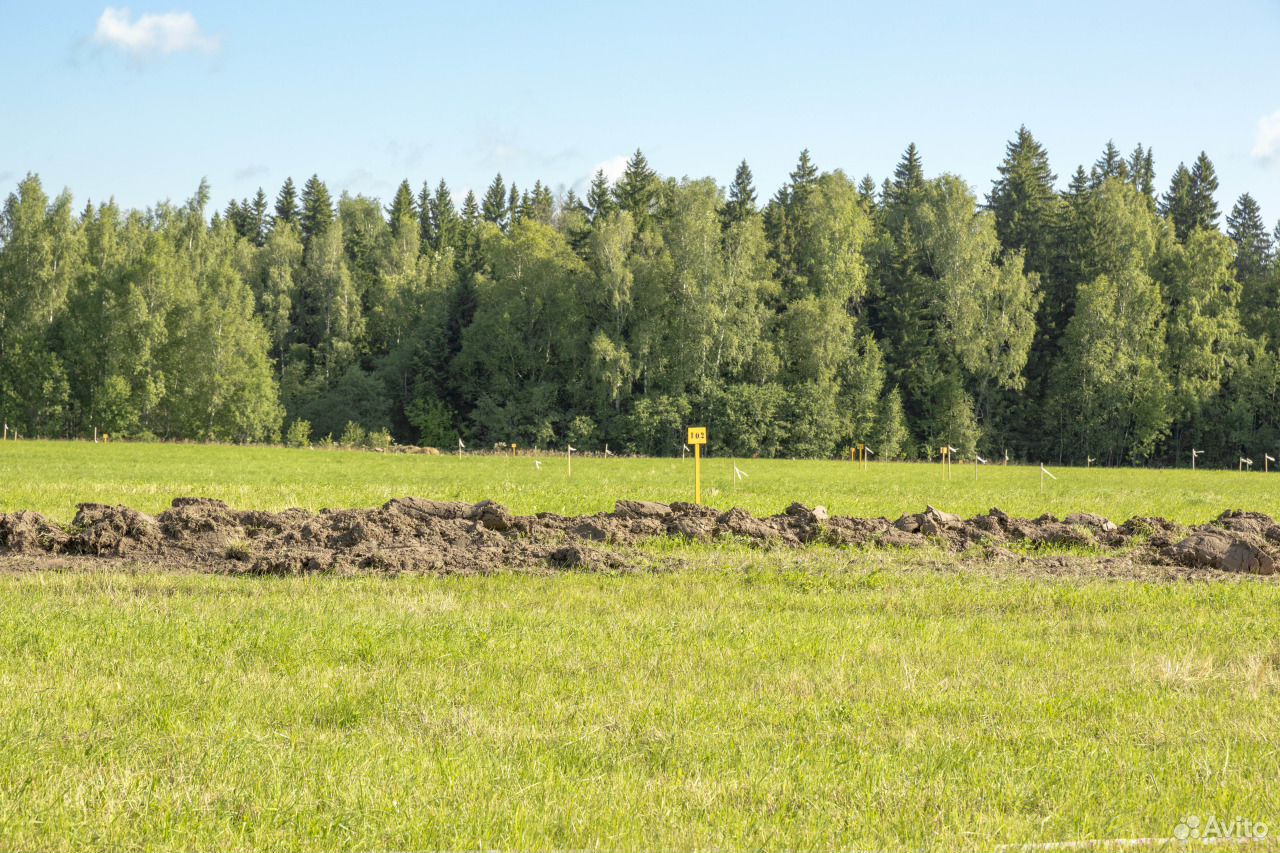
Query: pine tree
[(494, 207), (317, 208), (287, 203), (403, 208), (600, 200), (742, 197)]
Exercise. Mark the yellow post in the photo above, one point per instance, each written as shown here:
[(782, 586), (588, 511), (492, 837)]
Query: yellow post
[(697, 473), (513, 450), (697, 437)]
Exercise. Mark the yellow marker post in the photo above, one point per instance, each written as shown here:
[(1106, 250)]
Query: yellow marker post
[(513, 451), (697, 437), (946, 462)]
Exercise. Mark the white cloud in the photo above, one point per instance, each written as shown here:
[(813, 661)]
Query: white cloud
[(1266, 145), (153, 34), (612, 168)]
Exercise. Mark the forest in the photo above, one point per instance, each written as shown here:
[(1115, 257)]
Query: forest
[(1099, 320)]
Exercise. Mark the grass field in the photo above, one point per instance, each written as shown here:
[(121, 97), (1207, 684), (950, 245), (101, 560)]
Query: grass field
[(823, 699), (52, 477)]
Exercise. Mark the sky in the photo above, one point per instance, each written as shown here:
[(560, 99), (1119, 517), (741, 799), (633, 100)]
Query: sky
[(140, 102)]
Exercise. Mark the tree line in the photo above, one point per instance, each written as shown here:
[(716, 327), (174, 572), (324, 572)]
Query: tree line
[(1102, 320)]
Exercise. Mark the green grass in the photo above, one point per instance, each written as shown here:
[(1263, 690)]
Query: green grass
[(751, 701), (822, 699), (52, 477)]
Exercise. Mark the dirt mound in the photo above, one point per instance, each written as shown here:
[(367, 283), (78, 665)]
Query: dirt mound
[(416, 535)]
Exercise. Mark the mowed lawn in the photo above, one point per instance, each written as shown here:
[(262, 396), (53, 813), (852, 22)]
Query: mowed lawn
[(824, 699), (52, 477)]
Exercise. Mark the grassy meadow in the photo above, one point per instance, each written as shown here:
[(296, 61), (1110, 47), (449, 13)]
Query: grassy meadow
[(751, 701), (818, 700), (52, 477)]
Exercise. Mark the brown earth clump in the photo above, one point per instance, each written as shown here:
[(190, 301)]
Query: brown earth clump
[(423, 536)]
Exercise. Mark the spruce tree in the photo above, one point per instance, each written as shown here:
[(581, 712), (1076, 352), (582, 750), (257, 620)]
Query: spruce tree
[(1109, 165), (446, 226), (1142, 172), (801, 179), (781, 220), (637, 191), (1078, 187), (908, 179), (1253, 244), (494, 207), (1024, 201), (257, 211), (600, 200), (1252, 266), (539, 205), (867, 191), (233, 215), (426, 231), (468, 236), (403, 208), (317, 208), (287, 202), (742, 196), (1204, 184), (1176, 205)]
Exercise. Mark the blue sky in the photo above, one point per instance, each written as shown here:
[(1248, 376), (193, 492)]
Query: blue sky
[(139, 102)]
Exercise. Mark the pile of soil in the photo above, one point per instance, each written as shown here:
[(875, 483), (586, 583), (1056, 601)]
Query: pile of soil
[(422, 536)]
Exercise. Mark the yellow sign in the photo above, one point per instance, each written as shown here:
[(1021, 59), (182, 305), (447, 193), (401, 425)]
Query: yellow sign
[(697, 437)]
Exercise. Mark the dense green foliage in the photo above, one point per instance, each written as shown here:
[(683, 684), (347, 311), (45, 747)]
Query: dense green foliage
[(1095, 321)]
